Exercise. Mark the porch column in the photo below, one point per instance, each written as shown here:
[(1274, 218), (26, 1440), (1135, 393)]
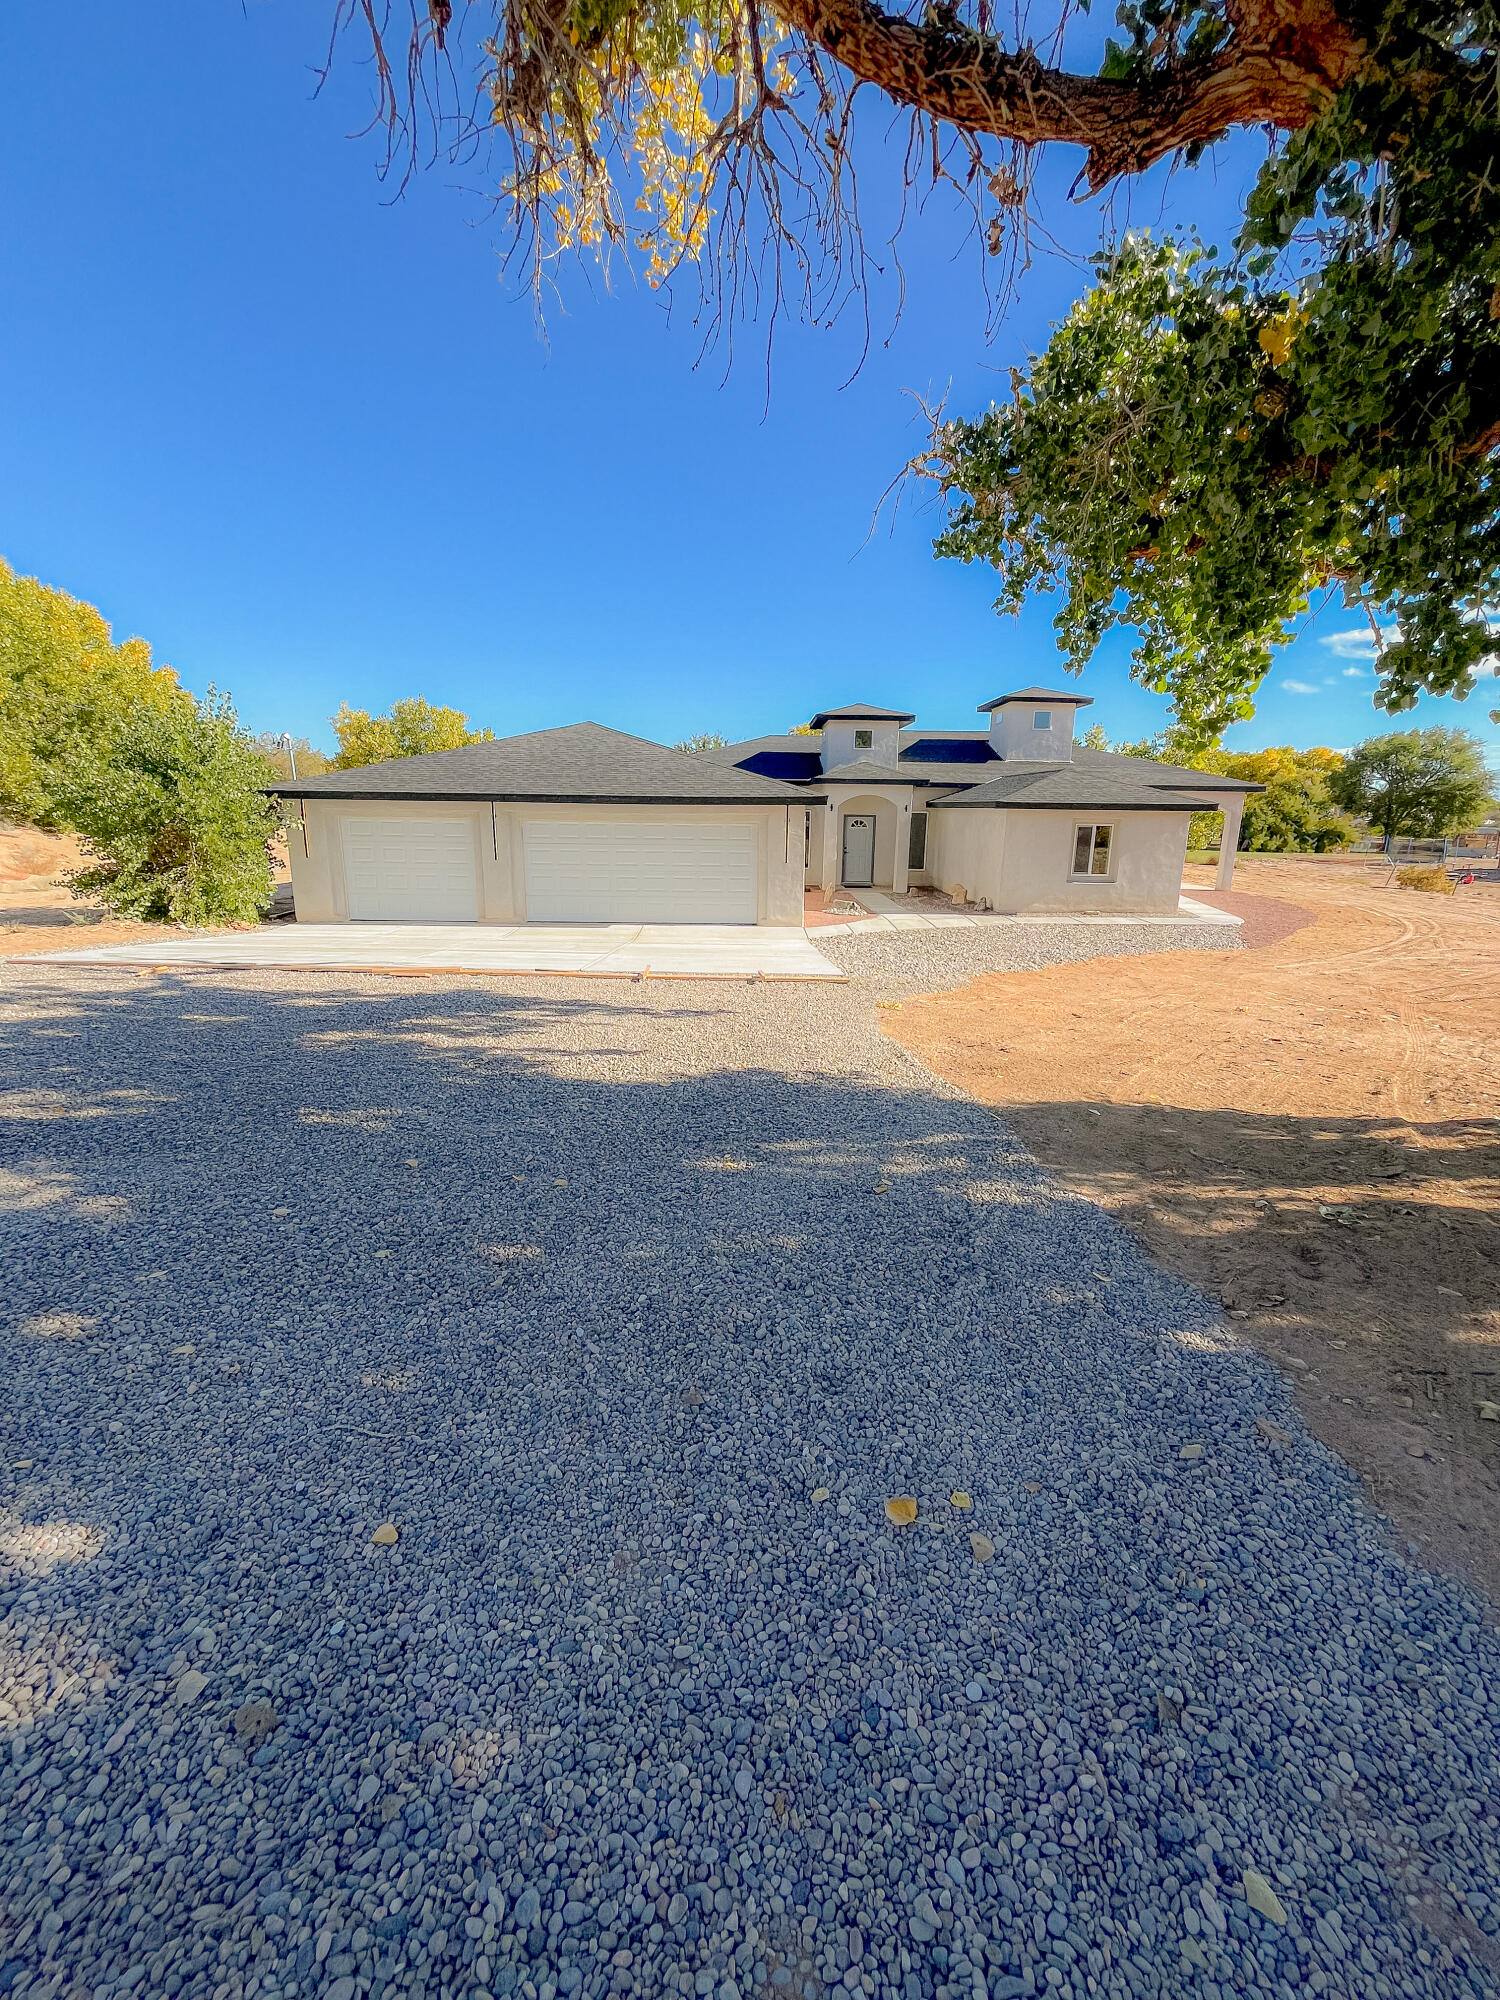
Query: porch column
[(831, 854), (1229, 839), (903, 847)]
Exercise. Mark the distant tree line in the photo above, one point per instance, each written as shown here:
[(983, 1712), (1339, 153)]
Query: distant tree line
[(163, 788)]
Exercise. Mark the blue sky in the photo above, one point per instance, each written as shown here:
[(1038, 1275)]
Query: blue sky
[(310, 443)]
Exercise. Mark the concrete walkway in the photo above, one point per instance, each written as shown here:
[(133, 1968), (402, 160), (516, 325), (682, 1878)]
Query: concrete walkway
[(629, 951)]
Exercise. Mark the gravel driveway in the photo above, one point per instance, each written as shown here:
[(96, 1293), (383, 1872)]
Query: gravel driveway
[(628, 1307)]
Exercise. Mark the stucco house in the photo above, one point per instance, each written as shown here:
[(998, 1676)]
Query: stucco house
[(588, 825)]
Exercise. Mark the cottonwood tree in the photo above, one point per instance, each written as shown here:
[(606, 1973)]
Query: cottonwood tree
[(1207, 442), (410, 728), (1418, 782), (175, 827), (67, 690)]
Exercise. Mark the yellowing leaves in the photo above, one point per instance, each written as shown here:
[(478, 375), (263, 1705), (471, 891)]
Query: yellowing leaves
[(901, 1511), (1279, 336)]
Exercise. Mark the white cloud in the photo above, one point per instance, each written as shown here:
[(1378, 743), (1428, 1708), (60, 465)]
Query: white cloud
[(1299, 687), (1354, 673), (1359, 642)]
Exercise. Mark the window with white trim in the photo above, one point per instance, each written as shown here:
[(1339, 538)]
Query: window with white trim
[(864, 739), (1093, 851), (1041, 718)]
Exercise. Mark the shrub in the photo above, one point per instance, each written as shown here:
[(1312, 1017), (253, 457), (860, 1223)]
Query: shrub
[(1436, 881), (172, 822)]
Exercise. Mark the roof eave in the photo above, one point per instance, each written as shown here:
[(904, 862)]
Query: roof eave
[(1076, 805), (290, 791)]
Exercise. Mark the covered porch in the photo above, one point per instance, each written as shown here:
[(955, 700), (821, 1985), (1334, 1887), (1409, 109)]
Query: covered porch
[(862, 839)]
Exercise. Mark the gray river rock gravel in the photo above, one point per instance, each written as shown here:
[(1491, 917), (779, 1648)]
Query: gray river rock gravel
[(589, 1289), (924, 962)]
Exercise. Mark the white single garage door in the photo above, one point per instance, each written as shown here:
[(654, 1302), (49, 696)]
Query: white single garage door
[(637, 872), (411, 871)]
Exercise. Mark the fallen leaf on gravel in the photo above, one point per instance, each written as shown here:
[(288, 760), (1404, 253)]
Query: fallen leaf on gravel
[(692, 1398), (958, 1498), (1190, 1451), (982, 1547), (385, 1535), (1032, 1486), (1490, 1412), (901, 1511), (414, 1163), (186, 1348), (559, 1184), (23, 1465), (191, 1685), (1261, 1896), (382, 1253), (254, 1721), (281, 1211), (1272, 1433), (819, 1495)]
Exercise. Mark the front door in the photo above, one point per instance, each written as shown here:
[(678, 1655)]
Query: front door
[(859, 850)]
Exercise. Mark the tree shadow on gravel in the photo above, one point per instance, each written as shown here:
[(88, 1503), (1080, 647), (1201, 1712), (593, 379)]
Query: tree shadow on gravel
[(1361, 1254), (630, 1351)]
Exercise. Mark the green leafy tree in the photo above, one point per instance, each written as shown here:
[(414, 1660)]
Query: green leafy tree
[(66, 692), (1418, 783), (1205, 444), (412, 728), (709, 739), (173, 825), (1295, 814)]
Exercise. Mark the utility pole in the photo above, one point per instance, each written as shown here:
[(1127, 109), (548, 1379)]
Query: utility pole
[(286, 744)]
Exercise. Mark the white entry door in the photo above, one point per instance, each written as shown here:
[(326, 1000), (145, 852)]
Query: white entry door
[(640, 872), (411, 871), (859, 850)]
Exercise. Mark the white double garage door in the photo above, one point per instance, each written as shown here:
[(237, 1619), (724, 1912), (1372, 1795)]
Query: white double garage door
[(426, 871)]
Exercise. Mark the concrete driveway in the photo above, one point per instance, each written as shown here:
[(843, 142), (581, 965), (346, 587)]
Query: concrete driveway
[(444, 1544), (684, 951)]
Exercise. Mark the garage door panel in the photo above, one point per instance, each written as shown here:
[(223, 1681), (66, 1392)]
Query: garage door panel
[(618, 871), (420, 871)]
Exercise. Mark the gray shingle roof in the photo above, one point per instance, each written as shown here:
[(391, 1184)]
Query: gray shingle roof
[(1038, 694), (864, 772), (860, 711), (584, 763), (1066, 788), (1169, 776)]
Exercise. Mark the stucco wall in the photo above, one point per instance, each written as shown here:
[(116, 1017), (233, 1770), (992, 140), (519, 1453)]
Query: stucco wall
[(837, 743), (1014, 734), (965, 853), (1021, 860), (318, 858)]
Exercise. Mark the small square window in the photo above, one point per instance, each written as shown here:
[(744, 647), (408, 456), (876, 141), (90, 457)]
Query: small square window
[(864, 739), (1041, 718), (1092, 849)]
